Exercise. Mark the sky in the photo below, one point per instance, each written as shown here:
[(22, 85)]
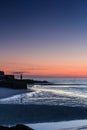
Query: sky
[(44, 37)]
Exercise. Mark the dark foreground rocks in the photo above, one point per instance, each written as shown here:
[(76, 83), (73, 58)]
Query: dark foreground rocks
[(17, 127)]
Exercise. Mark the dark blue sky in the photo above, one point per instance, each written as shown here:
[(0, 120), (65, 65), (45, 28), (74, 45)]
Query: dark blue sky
[(43, 34), (24, 17)]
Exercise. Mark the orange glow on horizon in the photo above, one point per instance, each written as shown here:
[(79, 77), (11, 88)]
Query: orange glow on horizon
[(49, 71)]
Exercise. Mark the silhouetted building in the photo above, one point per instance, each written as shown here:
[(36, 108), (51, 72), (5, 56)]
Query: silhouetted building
[(1, 75), (5, 77), (9, 77)]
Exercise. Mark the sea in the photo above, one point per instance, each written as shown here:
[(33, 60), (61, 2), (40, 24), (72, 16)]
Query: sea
[(67, 92), (70, 92)]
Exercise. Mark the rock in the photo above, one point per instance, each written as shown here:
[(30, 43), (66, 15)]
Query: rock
[(17, 127), (4, 128)]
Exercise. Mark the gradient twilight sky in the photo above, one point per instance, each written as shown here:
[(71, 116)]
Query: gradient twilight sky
[(44, 37)]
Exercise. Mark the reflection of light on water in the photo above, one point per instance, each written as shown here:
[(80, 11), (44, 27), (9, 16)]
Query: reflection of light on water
[(61, 92), (43, 94), (64, 125)]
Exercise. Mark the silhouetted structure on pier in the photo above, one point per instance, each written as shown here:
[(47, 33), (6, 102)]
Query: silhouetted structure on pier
[(21, 76), (9, 81)]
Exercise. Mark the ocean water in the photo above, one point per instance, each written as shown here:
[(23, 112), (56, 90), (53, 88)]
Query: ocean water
[(69, 92)]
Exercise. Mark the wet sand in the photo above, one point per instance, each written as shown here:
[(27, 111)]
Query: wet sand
[(14, 114), (7, 92)]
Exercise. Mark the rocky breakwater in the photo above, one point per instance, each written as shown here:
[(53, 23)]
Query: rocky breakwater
[(20, 84)]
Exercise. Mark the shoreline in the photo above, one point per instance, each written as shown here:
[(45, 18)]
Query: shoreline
[(8, 92), (11, 114)]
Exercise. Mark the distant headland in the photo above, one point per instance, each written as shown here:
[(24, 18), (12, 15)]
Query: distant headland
[(10, 81)]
